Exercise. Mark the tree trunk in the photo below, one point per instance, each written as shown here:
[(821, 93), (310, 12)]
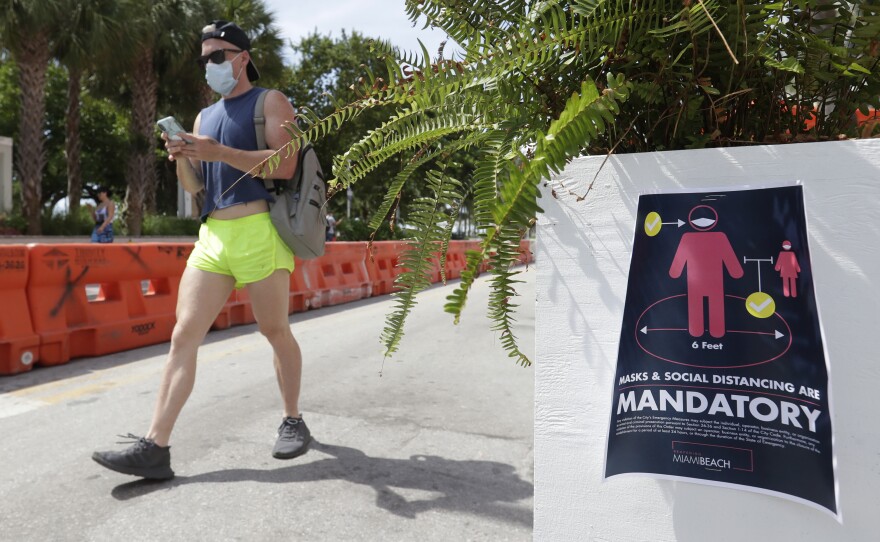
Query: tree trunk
[(140, 169), (73, 143), (33, 62)]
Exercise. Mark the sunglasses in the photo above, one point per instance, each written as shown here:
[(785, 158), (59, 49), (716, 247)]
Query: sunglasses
[(215, 57)]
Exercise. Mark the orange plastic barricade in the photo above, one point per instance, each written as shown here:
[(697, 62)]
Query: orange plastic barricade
[(450, 267), (862, 118), (224, 317), (240, 311), (302, 295), (90, 300), (478, 246), (19, 344), (382, 265), (525, 252), (237, 311), (455, 259), (340, 275)]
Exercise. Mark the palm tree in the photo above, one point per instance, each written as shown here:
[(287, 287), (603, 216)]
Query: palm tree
[(27, 30), (87, 39), (159, 30)]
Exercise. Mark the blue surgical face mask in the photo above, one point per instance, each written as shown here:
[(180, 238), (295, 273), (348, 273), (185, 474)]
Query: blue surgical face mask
[(220, 78)]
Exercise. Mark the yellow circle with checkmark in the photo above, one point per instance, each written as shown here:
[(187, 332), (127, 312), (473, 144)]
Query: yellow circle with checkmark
[(760, 305), (653, 224)]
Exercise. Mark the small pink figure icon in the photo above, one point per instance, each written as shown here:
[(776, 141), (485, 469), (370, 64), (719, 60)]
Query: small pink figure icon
[(788, 267), (706, 255)]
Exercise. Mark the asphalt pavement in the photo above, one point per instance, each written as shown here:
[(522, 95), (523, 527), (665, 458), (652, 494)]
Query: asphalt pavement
[(434, 443)]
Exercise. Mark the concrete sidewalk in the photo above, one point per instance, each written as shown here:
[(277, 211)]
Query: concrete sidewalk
[(437, 447)]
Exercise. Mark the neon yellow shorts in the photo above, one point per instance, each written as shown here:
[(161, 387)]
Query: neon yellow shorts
[(248, 249)]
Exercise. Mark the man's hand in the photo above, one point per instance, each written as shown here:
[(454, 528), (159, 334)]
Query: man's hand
[(195, 147), (187, 171), (173, 146)]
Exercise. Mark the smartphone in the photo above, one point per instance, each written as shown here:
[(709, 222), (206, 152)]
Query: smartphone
[(170, 126)]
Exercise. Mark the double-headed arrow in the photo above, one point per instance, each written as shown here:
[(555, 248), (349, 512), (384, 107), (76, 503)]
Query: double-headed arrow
[(776, 333)]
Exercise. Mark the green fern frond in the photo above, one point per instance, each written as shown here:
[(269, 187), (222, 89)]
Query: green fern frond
[(696, 73), (515, 203), (489, 175), (423, 157), (503, 281), (522, 50), (409, 130), (692, 18), (584, 118), (458, 298), (417, 260), (467, 22)]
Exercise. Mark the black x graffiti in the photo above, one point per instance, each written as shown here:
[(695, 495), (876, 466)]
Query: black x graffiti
[(136, 256), (68, 289)]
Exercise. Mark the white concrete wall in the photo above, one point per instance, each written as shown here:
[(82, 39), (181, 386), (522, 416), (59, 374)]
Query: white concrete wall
[(5, 174), (583, 255)]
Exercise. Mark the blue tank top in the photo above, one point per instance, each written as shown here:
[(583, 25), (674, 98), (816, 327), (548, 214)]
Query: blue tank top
[(231, 122), (101, 214)]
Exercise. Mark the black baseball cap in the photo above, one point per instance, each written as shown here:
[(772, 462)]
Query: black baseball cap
[(230, 32)]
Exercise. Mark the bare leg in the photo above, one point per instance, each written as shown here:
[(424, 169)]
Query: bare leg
[(269, 300), (199, 300)]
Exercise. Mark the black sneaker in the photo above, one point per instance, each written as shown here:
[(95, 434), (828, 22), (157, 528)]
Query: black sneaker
[(144, 458), (293, 439)]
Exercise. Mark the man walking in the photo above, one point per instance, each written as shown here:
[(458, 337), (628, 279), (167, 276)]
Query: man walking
[(237, 247)]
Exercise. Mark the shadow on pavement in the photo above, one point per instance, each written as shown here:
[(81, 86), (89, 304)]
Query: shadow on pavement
[(485, 488)]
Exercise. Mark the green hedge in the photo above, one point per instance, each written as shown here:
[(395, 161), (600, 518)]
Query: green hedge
[(81, 224), (358, 230), (172, 226)]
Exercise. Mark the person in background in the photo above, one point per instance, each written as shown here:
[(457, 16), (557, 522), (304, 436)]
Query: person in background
[(103, 215), (331, 227)]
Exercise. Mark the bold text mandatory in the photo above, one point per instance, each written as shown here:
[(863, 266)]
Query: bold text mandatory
[(733, 406)]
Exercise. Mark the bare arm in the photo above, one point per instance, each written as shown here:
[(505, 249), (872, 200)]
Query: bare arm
[(111, 212), (189, 170), (278, 111)]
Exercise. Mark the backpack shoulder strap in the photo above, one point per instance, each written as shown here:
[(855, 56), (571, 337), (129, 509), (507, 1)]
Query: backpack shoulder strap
[(260, 132), (260, 119)]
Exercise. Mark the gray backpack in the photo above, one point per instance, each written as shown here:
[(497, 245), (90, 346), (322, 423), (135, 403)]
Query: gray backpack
[(298, 212)]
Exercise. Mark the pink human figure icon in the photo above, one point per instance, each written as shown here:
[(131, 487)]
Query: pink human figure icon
[(788, 267), (706, 254)]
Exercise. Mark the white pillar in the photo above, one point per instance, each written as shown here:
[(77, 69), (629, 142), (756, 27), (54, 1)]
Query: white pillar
[(184, 203), (5, 174)]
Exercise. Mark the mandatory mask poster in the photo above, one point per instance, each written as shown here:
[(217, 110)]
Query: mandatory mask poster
[(722, 376)]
